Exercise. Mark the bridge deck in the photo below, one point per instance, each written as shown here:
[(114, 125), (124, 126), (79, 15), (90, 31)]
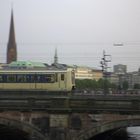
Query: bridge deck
[(51, 102)]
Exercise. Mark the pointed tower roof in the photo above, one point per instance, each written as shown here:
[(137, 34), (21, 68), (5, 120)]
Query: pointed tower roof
[(55, 57), (12, 30), (11, 48)]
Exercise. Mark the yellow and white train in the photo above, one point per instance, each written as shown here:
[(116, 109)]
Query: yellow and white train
[(35, 79)]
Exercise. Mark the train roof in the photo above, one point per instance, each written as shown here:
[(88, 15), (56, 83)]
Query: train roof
[(33, 67), (34, 70)]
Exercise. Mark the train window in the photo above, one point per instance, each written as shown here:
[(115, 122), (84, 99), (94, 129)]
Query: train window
[(1, 78), (11, 78), (52, 78), (30, 78), (62, 77), (39, 78), (49, 78), (21, 78), (42, 79), (4, 78)]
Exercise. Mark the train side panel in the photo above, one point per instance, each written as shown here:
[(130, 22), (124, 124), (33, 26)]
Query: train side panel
[(17, 85), (56, 81)]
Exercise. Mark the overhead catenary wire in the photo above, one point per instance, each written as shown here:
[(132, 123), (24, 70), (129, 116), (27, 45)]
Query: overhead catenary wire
[(127, 43)]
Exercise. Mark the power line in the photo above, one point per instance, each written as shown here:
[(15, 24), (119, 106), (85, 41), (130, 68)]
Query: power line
[(74, 43)]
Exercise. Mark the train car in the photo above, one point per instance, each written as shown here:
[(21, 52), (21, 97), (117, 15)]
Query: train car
[(35, 79)]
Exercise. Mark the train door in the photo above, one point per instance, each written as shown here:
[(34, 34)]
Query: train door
[(62, 81)]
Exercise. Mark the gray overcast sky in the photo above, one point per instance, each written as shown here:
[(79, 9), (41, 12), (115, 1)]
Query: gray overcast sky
[(80, 29)]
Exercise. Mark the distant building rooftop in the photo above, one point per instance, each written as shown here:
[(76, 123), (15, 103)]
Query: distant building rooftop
[(26, 64), (59, 66)]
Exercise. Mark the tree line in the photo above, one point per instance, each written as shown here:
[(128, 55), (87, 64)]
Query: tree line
[(102, 84)]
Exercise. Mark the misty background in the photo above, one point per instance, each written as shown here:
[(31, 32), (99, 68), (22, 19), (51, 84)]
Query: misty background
[(79, 29)]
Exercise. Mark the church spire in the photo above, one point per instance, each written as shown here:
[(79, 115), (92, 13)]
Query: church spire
[(11, 48), (55, 57)]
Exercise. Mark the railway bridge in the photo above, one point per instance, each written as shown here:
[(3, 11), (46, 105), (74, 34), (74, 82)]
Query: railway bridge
[(38, 115)]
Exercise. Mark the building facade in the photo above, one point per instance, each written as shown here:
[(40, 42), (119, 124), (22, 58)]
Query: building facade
[(88, 73), (132, 78), (120, 69), (114, 78)]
